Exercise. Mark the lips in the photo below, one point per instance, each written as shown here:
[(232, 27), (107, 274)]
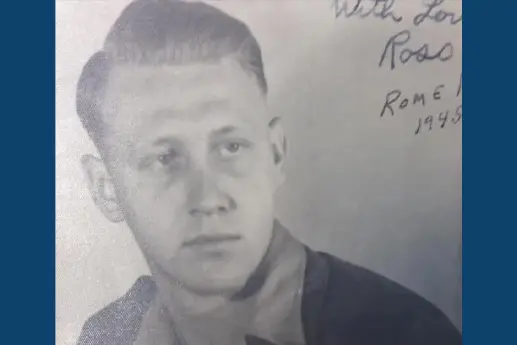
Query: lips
[(204, 240)]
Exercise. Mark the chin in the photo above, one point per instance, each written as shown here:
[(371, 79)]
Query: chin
[(226, 276), (216, 285)]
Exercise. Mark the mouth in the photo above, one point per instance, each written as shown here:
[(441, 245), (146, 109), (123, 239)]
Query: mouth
[(205, 240)]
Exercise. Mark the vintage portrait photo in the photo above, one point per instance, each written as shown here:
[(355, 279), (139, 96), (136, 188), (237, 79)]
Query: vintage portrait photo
[(238, 172)]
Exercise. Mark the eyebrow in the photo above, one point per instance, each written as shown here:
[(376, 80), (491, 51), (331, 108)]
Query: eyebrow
[(166, 141), (222, 131)]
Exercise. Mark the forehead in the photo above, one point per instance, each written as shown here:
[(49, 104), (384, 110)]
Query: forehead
[(145, 98)]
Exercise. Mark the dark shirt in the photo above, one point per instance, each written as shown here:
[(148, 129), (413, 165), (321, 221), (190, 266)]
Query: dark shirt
[(342, 304)]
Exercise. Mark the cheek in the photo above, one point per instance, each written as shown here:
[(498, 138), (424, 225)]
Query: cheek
[(253, 179), (254, 215), (255, 168), (155, 214), (253, 192)]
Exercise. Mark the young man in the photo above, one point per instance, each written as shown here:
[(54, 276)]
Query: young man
[(191, 160)]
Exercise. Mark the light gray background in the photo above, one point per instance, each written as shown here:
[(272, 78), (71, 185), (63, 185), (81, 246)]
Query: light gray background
[(361, 187)]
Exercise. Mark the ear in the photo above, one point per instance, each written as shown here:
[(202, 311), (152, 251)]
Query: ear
[(101, 188), (279, 147)]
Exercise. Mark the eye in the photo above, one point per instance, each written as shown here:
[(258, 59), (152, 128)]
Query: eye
[(230, 149), (233, 147), (167, 158)]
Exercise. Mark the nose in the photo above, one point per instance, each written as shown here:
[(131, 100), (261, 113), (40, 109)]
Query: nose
[(206, 197)]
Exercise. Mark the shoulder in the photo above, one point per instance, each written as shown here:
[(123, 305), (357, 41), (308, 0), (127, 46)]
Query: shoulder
[(119, 322), (354, 305)]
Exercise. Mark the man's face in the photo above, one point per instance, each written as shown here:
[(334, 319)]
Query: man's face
[(194, 163)]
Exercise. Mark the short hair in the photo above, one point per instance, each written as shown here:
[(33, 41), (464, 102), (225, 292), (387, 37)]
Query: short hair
[(164, 32)]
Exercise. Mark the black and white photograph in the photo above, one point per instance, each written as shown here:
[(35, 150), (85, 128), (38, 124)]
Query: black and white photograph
[(258, 172)]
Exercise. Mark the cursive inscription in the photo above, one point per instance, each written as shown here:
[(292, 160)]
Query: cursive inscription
[(396, 50), (434, 13), (395, 99), (458, 90), (397, 102), (440, 120), (401, 48), (382, 9)]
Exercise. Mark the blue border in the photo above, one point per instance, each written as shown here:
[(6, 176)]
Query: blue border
[(28, 165), (489, 157), (489, 160)]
